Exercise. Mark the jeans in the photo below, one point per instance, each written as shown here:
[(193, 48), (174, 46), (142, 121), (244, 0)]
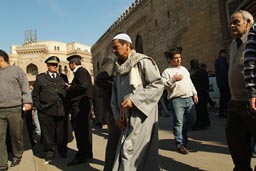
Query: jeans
[(184, 116), (37, 124)]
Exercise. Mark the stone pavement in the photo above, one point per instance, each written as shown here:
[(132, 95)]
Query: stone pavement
[(209, 146)]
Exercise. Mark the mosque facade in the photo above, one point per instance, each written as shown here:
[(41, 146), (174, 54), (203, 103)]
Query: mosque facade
[(201, 27)]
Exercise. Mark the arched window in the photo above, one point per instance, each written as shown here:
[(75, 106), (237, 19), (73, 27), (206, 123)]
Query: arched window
[(98, 65), (60, 69), (139, 44), (32, 69), (66, 69)]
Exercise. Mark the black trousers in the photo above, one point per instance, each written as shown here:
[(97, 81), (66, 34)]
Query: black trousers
[(52, 133), (113, 139), (82, 127), (240, 129), (224, 99), (202, 115)]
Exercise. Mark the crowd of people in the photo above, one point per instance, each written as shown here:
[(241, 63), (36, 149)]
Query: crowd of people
[(130, 90)]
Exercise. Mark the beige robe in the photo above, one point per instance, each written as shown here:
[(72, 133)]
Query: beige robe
[(138, 145)]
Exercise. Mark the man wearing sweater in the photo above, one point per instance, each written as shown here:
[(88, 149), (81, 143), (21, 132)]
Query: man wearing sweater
[(240, 121), (181, 97), (15, 97)]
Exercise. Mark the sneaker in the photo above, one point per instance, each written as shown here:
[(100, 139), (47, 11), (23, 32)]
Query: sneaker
[(183, 150), (48, 160)]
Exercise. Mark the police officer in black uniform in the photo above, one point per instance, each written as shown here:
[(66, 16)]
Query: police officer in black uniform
[(80, 94), (49, 98)]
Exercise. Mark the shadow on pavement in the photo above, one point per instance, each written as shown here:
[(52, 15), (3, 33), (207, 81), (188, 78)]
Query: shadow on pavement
[(194, 146), (167, 163), (62, 163)]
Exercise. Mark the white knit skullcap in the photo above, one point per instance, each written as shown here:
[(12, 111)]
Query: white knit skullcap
[(123, 36)]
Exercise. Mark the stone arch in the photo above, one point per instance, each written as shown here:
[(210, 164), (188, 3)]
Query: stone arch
[(98, 66), (32, 69), (60, 69), (139, 44), (66, 69)]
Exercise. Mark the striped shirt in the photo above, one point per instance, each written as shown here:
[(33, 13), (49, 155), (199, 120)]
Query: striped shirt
[(250, 62)]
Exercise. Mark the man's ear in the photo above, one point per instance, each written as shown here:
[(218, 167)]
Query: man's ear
[(249, 24)]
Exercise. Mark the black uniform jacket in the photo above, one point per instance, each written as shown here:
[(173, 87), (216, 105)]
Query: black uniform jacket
[(49, 95), (81, 85)]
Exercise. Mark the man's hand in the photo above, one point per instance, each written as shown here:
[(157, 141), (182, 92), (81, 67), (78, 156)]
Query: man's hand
[(253, 104), (121, 121), (27, 107), (67, 86), (127, 103), (177, 77), (195, 99)]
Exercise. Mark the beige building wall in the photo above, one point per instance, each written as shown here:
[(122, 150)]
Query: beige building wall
[(163, 24), (31, 56), (201, 27)]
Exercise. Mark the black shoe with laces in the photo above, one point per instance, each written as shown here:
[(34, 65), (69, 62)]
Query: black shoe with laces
[(15, 162)]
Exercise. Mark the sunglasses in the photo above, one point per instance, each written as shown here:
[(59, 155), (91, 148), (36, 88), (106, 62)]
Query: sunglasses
[(52, 64)]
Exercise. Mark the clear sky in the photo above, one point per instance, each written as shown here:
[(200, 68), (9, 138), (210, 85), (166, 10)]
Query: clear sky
[(82, 21)]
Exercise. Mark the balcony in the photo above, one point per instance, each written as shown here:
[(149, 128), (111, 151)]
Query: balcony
[(32, 48)]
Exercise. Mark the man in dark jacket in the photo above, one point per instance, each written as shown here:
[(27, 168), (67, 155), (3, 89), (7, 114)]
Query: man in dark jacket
[(49, 97), (104, 82), (80, 93), (221, 71)]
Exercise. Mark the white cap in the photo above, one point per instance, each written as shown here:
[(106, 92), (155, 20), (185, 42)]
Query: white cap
[(123, 36)]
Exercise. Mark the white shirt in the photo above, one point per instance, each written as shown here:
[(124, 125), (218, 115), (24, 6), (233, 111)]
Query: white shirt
[(52, 73), (76, 68), (183, 88)]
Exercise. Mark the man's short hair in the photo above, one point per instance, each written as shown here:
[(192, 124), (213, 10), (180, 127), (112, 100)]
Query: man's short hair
[(222, 51), (4, 55), (246, 15), (170, 53)]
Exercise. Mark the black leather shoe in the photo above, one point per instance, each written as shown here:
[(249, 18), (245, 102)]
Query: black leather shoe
[(76, 161), (15, 162)]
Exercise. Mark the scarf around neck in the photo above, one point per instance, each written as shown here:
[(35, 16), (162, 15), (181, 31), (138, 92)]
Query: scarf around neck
[(131, 61)]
